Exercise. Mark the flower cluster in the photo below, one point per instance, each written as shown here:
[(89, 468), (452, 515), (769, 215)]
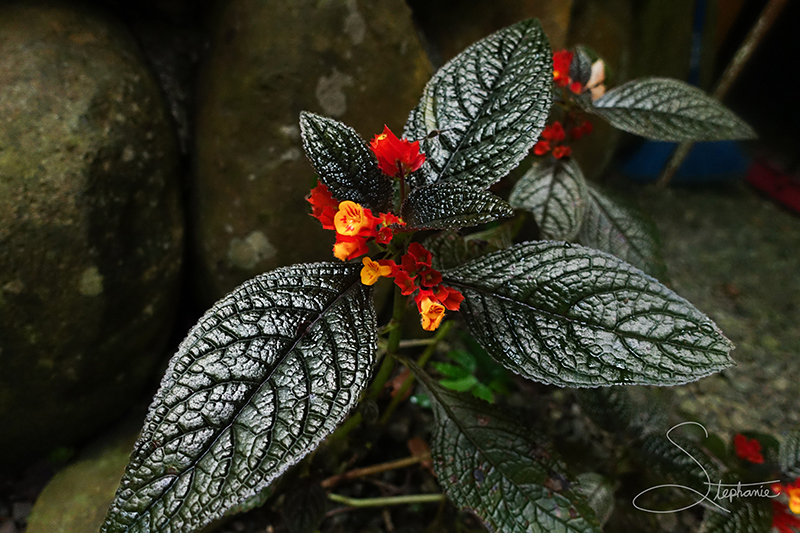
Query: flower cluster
[(782, 519), (355, 225), (415, 274), (396, 157), (748, 449), (562, 61), (792, 492)]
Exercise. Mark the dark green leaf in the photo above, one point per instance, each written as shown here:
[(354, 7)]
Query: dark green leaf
[(488, 462), (599, 493), (789, 455), (451, 205), (669, 110), (666, 459), (258, 383), (555, 192), (488, 104), (304, 507), (344, 162), (610, 408), (451, 249), (746, 516), (621, 231), (572, 316)]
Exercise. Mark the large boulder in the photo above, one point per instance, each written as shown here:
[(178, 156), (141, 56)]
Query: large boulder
[(90, 225), (355, 60)]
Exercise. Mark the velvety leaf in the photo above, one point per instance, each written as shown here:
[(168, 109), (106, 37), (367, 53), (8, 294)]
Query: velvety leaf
[(489, 463), (610, 408), (599, 493), (258, 383), (789, 455), (344, 162), (450, 248), (555, 192), (669, 110), (572, 316), (304, 507), (451, 205), (482, 112), (746, 516), (676, 465), (621, 231)]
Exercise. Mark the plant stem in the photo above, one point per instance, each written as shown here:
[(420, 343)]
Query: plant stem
[(374, 469), (389, 500), (734, 68), (422, 361), (387, 365)]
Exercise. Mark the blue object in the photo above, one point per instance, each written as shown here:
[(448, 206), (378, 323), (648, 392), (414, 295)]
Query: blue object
[(707, 162)]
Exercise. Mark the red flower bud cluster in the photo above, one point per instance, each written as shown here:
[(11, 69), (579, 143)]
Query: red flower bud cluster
[(415, 274), (396, 157), (554, 136), (562, 60), (355, 225), (748, 449)]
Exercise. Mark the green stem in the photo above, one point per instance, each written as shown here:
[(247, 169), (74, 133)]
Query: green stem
[(387, 365), (389, 500), (422, 361)]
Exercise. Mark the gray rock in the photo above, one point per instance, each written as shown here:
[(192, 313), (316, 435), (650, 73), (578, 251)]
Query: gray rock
[(734, 255), (77, 498), (354, 60), (90, 225)]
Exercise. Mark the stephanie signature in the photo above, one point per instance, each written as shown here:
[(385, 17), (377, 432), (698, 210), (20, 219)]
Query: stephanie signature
[(724, 491)]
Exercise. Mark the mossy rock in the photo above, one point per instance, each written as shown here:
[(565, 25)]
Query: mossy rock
[(354, 60), (90, 225)]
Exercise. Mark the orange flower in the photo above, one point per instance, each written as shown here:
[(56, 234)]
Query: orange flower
[(373, 270), (323, 205), (347, 247), (793, 491), (431, 313), (352, 219), (396, 157)]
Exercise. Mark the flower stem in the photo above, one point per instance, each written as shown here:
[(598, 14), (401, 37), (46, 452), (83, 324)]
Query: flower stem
[(422, 361), (387, 365), (374, 469), (389, 500)]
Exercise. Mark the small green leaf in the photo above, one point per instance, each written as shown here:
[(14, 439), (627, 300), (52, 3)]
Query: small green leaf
[(464, 384), (572, 316), (451, 205), (488, 462), (344, 162), (746, 516), (789, 456), (482, 111), (258, 383), (664, 109), (621, 231), (554, 190), (451, 371)]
